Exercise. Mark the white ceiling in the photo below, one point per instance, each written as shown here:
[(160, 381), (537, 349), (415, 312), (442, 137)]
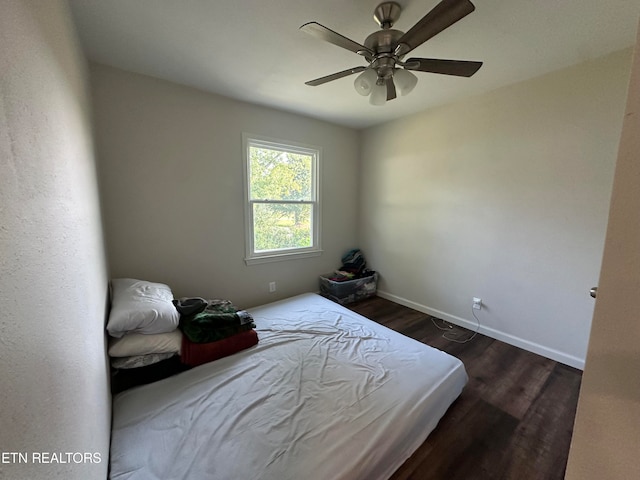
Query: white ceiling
[(252, 50)]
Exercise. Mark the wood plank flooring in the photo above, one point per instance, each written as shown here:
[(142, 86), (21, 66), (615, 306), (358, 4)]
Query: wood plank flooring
[(513, 420)]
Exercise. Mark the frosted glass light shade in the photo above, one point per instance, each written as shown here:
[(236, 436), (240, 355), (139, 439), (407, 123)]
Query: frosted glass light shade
[(405, 81), (378, 94), (365, 82)]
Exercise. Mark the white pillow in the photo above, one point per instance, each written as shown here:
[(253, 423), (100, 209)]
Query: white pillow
[(138, 361), (133, 344), (139, 306)]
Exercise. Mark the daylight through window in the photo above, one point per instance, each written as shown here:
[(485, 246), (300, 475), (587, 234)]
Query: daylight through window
[(282, 200)]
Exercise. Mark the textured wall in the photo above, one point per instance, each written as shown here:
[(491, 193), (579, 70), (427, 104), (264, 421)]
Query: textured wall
[(170, 162), (53, 375), (504, 197)]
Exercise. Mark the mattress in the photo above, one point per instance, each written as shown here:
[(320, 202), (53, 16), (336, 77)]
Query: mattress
[(326, 394)]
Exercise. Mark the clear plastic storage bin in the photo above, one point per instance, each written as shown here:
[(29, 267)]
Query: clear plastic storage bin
[(348, 291)]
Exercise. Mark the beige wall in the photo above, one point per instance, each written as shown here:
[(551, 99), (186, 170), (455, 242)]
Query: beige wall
[(170, 163), (606, 438), (53, 282), (504, 197)]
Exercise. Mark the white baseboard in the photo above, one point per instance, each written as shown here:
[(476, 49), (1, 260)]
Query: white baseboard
[(547, 352)]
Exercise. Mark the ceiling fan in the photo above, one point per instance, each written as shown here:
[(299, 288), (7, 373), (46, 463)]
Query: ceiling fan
[(385, 49)]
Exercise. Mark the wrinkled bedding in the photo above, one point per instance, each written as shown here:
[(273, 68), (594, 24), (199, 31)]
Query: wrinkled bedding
[(325, 394)]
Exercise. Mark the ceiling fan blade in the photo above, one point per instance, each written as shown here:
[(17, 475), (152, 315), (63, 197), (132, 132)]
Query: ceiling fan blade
[(334, 76), (443, 15), (328, 35), (459, 68), (391, 89)]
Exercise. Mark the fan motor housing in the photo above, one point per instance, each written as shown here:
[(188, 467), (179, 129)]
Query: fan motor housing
[(382, 41)]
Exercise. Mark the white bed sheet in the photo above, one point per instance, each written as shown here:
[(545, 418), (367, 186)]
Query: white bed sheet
[(326, 394)]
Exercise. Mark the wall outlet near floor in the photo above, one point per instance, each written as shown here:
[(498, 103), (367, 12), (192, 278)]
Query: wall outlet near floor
[(272, 287), (477, 303)]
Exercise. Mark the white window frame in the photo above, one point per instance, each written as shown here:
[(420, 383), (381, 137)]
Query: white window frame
[(251, 256)]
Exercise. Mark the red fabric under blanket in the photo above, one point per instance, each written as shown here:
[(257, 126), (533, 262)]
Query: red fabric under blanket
[(194, 354)]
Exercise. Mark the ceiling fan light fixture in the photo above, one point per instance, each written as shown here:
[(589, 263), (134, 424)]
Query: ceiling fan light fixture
[(405, 81), (378, 94), (386, 76), (365, 82)]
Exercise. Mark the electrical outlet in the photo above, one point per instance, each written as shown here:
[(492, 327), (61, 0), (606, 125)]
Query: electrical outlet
[(477, 303), (272, 287)]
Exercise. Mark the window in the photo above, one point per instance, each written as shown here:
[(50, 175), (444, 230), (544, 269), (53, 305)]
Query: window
[(282, 209)]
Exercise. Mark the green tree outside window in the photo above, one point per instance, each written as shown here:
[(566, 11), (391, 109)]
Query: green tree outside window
[(282, 198)]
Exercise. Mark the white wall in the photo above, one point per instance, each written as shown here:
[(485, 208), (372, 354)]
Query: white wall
[(170, 163), (504, 197), (609, 405), (53, 283)]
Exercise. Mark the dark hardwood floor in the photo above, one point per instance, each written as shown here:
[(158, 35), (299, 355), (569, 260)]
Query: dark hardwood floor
[(514, 418)]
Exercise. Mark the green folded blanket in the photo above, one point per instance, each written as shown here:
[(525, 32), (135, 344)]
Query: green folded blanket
[(205, 333), (204, 321)]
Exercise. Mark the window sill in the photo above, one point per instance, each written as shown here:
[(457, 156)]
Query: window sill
[(279, 257)]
